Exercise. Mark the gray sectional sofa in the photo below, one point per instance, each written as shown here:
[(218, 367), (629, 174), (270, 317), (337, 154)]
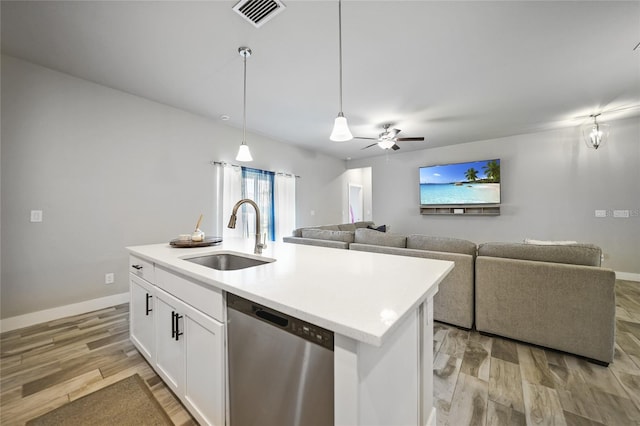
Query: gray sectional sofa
[(556, 296)]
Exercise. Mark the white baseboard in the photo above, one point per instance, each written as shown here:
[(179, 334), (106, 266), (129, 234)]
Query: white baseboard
[(33, 318), (628, 276)]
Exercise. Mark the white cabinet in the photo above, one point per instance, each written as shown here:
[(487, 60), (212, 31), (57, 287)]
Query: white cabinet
[(169, 349), (190, 357), (183, 344), (142, 316), (204, 373)]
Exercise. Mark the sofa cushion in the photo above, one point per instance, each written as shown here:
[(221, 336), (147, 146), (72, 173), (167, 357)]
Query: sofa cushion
[(327, 234), (316, 242), (576, 254), (364, 224), (347, 227), (327, 227), (445, 244), (369, 236)]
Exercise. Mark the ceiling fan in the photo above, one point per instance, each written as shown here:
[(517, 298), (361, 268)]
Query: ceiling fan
[(388, 139)]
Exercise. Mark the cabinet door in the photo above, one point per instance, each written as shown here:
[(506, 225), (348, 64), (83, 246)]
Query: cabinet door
[(141, 325), (169, 351), (204, 367)]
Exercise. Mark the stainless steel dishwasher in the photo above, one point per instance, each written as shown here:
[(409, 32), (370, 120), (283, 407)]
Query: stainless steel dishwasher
[(280, 368)]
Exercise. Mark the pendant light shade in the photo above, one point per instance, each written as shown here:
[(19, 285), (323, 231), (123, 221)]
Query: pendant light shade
[(340, 131), (243, 152), (595, 134)]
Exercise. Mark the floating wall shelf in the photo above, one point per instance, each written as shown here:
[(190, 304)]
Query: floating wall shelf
[(486, 210)]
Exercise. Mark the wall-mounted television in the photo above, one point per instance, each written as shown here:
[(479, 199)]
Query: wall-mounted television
[(461, 184)]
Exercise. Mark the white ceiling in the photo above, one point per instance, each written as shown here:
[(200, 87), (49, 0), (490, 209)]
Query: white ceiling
[(451, 71)]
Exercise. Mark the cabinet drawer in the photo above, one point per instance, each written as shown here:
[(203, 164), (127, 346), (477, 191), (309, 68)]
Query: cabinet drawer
[(141, 268), (204, 298)]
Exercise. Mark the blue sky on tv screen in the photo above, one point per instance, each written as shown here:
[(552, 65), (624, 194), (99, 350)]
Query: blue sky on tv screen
[(448, 173)]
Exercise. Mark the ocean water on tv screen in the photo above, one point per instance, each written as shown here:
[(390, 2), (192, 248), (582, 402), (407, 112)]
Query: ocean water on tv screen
[(466, 193)]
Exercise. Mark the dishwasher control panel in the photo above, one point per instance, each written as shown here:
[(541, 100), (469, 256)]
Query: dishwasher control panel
[(298, 327)]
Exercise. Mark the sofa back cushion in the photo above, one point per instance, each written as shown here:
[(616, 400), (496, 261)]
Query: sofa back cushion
[(347, 227), (444, 244), (340, 227), (370, 236), (576, 254), (327, 234)]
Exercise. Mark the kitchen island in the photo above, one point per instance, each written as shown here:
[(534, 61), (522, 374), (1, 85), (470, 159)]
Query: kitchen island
[(379, 308)]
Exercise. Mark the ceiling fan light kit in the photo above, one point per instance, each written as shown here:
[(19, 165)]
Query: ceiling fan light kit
[(388, 139), (386, 144), (595, 134), (244, 154), (341, 132)]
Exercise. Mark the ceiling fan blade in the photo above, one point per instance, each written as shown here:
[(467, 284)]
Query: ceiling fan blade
[(395, 147), (369, 146), (409, 139), (359, 137)]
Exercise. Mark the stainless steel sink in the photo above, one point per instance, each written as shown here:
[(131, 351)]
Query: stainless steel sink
[(228, 261)]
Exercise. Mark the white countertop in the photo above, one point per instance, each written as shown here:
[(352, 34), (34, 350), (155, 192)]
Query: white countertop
[(357, 294)]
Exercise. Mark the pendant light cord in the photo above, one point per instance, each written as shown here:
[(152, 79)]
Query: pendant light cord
[(244, 105), (340, 47)]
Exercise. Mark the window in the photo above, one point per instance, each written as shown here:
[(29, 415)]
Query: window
[(257, 185), (274, 193)]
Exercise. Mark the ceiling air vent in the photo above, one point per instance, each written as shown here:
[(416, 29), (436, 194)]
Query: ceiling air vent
[(258, 12)]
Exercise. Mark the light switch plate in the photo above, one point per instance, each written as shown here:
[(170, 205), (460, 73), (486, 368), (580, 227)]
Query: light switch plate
[(601, 213)]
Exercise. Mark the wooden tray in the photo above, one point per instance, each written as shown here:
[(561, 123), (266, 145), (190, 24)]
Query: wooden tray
[(208, 241)]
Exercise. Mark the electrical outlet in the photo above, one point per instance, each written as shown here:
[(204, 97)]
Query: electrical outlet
[(634, 213), (601, 213), (36, 216), (109, 278)]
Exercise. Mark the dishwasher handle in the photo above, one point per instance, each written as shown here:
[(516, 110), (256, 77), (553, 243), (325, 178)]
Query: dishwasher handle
[(268, 316)]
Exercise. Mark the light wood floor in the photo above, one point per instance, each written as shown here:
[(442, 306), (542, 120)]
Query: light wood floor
[(482, 380), (478, 379)]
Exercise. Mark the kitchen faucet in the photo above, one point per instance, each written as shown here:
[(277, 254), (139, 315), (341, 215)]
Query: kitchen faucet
[(232, 223)]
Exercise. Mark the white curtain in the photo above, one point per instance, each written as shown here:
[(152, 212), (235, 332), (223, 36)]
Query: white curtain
[(285, 204), (231, 194)]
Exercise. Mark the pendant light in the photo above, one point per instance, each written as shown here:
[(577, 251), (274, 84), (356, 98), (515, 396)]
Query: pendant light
[(340, 131), (243, 152), (595, 134)]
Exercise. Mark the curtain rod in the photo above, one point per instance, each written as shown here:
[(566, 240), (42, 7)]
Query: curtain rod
[(223, 164)]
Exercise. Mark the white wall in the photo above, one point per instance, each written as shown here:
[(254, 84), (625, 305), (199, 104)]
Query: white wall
[(109, 170), (551, 185)]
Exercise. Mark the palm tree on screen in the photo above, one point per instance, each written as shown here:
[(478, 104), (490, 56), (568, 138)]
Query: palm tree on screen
[(471, 174), (492, 170)]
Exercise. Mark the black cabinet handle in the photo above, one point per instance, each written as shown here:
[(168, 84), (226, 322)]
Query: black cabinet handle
[(138, 267), (148, 309), (173, 324), (178, 332)]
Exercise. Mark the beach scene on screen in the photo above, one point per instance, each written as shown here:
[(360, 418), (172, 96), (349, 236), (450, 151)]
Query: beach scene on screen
[(476, 182)]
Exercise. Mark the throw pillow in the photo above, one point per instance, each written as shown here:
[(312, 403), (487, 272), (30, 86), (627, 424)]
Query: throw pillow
[(381, 228), (548, 243)]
